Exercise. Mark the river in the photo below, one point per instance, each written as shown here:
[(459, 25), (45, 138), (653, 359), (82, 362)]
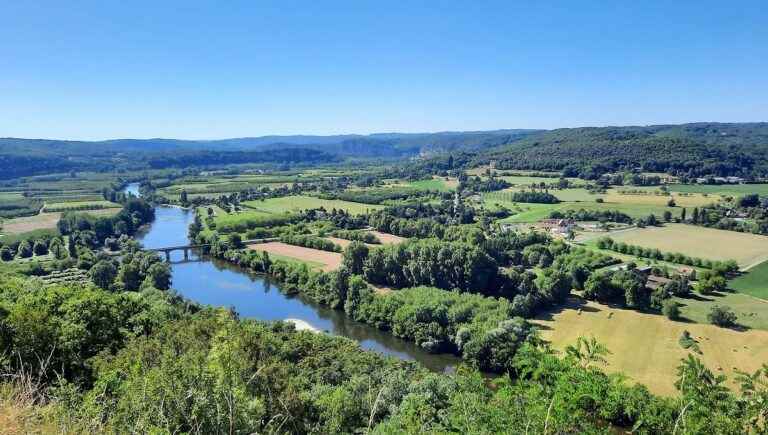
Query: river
[(218, 283)]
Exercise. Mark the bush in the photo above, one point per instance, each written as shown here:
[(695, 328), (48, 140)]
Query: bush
[(671, 309), (722, 316)]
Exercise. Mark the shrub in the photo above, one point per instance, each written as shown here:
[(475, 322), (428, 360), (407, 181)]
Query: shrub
[(722, 316), (671, 309)]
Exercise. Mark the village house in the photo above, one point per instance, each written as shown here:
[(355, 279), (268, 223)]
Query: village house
[(556, 226)]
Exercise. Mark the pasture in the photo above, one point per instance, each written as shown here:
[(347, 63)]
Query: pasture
[(695, 241), (754, 282), (301, 202), (751, 312), (722, 189), (441, 184), (645, 346)]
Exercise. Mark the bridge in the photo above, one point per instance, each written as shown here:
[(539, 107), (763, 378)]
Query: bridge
[(186, 248)]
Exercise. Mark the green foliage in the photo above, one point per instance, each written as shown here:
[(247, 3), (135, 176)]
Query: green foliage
[(722, 316), (671, 309), (310, 241)]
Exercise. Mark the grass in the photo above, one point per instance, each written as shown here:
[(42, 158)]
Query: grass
[(645, 346), (754, 282), (592, 245), (300, 202), (695, 241), (439, 184), (751, 312), (73, 205), (723, 189)]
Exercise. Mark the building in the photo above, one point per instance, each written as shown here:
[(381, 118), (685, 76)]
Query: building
[(556, 226), (653, 282)]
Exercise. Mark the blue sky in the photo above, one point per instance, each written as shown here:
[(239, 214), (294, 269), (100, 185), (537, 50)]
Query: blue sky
[(107, 69)]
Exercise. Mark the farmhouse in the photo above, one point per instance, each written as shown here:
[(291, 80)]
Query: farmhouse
[(653, 282), (556, 226)]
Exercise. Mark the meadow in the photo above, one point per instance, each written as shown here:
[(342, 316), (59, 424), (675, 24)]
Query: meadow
[(754, 282), (722, 189), (645, 346), (695, 241)]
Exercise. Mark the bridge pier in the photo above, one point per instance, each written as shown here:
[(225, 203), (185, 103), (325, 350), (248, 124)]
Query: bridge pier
[(167, 256), (186, 254)]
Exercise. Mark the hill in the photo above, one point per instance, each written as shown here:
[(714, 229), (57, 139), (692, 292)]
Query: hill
[(24, 157), (689, 149)]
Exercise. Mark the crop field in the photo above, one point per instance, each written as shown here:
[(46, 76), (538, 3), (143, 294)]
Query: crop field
[(519, 180), (329, 261), (645, 346), (43, 221), (692, 200), (301, 202), (754, 282), (712, 244)]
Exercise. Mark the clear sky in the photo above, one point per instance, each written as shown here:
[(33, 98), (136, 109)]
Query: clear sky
[(186, 69)]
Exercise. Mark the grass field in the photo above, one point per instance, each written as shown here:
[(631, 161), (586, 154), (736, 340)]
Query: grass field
[(645, 346), (724, 189), (754, 282), (436, 183), (74, 205), (752, 313), (298, 203), (712, 244)]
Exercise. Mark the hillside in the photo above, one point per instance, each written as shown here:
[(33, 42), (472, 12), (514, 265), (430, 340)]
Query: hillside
[(24, 157), (688, 149)]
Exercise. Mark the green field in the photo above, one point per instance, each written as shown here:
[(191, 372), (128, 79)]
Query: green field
[(725, 189), (754, 282), (80, 205), (438, 184), (301, 202), (750, 311), (694, 241)]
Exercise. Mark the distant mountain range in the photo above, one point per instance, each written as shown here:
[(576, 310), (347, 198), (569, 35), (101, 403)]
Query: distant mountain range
[(687, 149), (374, 145)]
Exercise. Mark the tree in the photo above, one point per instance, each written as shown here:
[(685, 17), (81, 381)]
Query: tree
[(57, 249), (6, 254), (183, 197), (671, 309), (354, 257), (682, 215), (695, 215), (722, 316), (159, 276), (103, 274), (708, 285), (25, 249), (40, 248), (236, 241), (667, 216), (671, 202), (72, 246), (587, 351)]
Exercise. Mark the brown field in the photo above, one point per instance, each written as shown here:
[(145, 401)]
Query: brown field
[(388, 239), (44, 221), (330, 260), (341, 242), (695, 241), (645, 346)]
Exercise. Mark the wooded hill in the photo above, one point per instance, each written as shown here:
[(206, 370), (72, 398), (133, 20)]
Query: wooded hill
[(689, 149)]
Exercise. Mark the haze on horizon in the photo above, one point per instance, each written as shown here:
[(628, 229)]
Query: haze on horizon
[(206, 71)]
